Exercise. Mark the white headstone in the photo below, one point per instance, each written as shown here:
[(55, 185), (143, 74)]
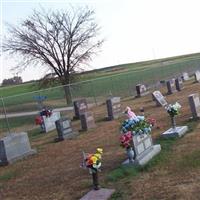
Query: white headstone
[(185, 76), (49, 122), (159, 98), (197, 76)]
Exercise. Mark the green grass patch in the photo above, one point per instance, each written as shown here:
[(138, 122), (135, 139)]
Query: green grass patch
[(191, 160), (8, 175), (35, 133)]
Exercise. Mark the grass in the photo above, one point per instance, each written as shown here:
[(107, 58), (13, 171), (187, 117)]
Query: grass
[(8, 175)]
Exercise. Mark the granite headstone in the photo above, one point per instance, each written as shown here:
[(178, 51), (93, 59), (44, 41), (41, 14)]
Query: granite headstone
[(185, 76), (80, 107), (141, 90), (14, 147), (113, 108), (179, 84), (171, 87), (87, 121), (194, 105), (197, 76)]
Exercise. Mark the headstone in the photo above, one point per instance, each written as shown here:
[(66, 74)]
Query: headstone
[(144, 149), (49, 122), (113, 108), (141, 90), (179, 84), (171, 86), (87, 121), (64, 129), (197, 76), (194, 105), (80, 107), (178, 131), (14, 147), (159, 98), (185, 76)]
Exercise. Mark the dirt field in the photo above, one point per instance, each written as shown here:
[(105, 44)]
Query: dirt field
[(54, 172)]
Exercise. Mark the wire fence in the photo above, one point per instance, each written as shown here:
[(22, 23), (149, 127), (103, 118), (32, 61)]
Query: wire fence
[(21, 109)]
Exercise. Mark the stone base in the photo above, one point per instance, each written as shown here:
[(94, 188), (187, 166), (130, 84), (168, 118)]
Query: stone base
[(14, 147), (177, 132), (146, 156), (101, 194)]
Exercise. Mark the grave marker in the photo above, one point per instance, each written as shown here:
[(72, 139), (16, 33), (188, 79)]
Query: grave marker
[(14, 147), (185, 76), (194, 105), (113, 108), (80, 107), (159, 98), (144, 149), (64, 129), (49, 122), (179, 84), (171, 86), (197, 76), (141, 90), (87, 121)]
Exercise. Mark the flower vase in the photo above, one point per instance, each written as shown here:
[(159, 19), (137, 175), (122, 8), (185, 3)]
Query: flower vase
[(130, 154), (173, 122)]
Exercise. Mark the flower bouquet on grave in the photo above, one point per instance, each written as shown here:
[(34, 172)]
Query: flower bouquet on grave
[(93, 163), (173, 110), (134, 125)]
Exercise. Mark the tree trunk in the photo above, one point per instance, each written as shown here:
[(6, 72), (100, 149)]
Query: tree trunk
[(68, 94)]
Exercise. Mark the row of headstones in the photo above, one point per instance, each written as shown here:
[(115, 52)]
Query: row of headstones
[(173, 85), (86, 117)]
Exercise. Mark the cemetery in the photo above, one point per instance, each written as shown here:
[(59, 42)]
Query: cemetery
[(155, 165)]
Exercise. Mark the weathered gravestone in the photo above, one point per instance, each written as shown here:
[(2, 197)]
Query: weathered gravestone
[(194, 105), (14, 147), (197, 76), (113, 108), (159, 98), (171, 88), (141, 90), (80, 107), (87, 121), (144, 149), (179, 84), (49, 122), (185, 76), (64, 129)]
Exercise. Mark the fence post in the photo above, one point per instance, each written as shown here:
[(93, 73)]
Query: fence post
[(5, 114)]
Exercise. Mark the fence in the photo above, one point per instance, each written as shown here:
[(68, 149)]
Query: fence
[(95, 91)]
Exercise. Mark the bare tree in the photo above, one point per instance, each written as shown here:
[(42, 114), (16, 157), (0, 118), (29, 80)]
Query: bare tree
[(63, 41)]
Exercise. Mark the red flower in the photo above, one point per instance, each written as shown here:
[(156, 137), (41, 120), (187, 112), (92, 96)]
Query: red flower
[(125, 139)]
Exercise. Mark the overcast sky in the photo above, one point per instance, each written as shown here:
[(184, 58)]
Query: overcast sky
[(135, 30)]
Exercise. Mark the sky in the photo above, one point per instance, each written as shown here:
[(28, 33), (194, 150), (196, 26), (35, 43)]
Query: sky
[(134, 30)]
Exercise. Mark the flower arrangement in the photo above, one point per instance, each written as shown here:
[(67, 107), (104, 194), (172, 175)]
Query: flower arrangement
[(93, 161), (126, 139), (137, 126), (174, 109)]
